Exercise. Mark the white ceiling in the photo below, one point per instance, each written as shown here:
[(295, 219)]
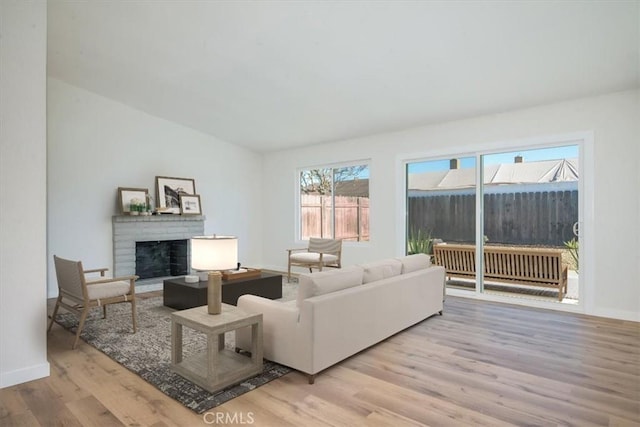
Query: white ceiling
[(271, 75)]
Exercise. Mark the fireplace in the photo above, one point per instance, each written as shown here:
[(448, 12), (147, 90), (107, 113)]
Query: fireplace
[(129, 231), (161, 259)]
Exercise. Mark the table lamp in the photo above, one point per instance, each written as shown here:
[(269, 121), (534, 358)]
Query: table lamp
[(211, 254)]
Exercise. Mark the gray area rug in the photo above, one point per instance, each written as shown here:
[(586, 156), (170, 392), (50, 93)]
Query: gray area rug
[(148, 352)]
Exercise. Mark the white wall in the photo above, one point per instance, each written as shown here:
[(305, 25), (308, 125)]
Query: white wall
[(614, 290), (23, 41), (97, 145)]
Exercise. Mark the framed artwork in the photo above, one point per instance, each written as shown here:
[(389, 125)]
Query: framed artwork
[(169, 190), (190, 205), (129, 196)]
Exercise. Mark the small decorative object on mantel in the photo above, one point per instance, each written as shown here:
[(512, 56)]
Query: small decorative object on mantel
[(212, 254), (169, 190), (132, 200), (134, 207), (148, 205)]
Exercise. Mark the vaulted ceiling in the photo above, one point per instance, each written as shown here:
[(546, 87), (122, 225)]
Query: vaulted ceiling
[(271, 75)]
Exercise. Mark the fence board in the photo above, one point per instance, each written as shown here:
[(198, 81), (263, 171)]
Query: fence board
[(526, 218), (351, 217)]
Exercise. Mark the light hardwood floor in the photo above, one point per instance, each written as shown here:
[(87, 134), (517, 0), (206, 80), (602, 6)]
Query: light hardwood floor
[(480, 364)]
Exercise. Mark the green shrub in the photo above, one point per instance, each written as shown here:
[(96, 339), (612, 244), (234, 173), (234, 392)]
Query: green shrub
[(573, 247), (420, 242)]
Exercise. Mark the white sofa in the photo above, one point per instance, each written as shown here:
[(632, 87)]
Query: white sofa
[(341, 312)]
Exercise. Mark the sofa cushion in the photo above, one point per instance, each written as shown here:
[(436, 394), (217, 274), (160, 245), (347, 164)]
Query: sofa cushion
[(415, 262), (379, 270), (324, 282)]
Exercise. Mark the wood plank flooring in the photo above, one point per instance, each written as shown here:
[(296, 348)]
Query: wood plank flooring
[(480, 364)]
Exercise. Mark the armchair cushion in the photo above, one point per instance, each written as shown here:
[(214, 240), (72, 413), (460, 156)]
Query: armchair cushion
[(107, 290), (313, 257)]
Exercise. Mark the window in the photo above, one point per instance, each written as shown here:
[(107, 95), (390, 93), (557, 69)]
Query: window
[(334, 203)]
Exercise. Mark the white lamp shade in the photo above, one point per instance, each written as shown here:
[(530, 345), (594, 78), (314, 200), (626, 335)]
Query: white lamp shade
[(214, 253)]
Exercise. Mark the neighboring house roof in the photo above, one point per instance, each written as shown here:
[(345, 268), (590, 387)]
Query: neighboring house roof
[(352, 188), (547, 171)]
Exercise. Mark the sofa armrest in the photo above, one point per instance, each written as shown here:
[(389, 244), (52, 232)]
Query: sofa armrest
[(275, 311), (284, 340)]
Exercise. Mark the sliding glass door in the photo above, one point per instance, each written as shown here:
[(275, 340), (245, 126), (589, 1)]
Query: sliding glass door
[(530, 207), (514, 234), (441, 209)]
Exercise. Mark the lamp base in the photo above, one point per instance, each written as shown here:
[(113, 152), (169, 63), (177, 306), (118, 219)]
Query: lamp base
[(214, 292)]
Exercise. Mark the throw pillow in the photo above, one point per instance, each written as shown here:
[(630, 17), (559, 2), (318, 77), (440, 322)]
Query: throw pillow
[(324, 282), (415, 262), (379, 270)]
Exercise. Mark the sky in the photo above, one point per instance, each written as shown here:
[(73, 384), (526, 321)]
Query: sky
[(566, 152)]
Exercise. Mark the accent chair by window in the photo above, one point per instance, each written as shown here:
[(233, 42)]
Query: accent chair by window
[(320, 253)]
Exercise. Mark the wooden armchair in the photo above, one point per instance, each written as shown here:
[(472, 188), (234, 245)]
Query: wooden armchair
[(78, 294), (320, 253)]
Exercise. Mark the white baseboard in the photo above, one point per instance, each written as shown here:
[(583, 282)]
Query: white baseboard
[(19, 376), (571, 308), (616, 314)]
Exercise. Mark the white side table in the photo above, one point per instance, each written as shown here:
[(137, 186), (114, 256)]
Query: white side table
[(217, 367)]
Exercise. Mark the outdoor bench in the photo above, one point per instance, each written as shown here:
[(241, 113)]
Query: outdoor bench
[(528, 266)]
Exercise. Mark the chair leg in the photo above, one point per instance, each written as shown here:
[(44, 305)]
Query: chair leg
[(289, 272), (133, 313), (83, 317), (55, 312), (104, 311)]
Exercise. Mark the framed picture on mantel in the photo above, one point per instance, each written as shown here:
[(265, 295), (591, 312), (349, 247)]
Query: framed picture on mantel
[(131, 196), (190, 205), (169, 190)]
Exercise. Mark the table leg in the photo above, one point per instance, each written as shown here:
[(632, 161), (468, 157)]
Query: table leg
[(256, 343), (176, 343), (212, 357)]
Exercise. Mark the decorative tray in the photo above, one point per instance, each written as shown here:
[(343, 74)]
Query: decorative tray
[(232, 275)]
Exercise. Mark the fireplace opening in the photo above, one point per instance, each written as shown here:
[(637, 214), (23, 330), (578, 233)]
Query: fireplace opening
[(161, 258)]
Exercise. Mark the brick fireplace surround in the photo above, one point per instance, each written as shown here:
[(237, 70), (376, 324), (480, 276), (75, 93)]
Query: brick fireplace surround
[(127, 230)]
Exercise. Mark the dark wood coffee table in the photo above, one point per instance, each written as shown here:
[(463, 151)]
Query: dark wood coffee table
[(181, 295)]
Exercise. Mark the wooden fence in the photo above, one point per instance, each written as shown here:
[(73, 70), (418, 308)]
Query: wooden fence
[(525, 218), (351, 217)]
